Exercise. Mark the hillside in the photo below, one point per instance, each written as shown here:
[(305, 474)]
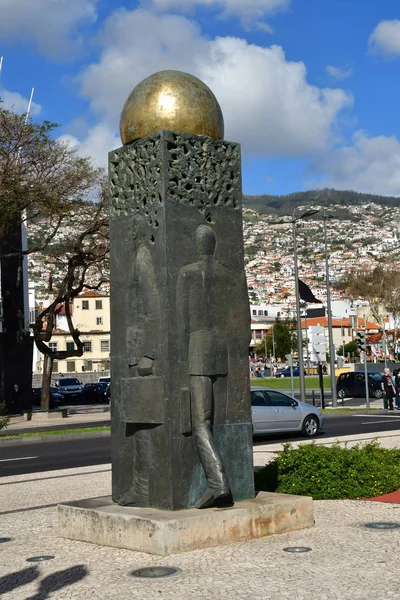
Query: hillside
[(285, 205)]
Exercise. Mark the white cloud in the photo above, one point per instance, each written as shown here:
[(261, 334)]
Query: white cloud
[(50, 24), (249, 11), (18, 103), (369, 164), (97, 143), (385, 39), (267, 102), (339, 73)]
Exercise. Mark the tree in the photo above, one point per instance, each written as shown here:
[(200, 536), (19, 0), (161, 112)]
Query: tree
[(284, 335), (80, 261), (46, 184), (380, 287), (349, 348), (40, 177)]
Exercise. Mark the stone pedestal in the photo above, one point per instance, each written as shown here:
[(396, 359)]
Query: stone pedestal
[(100, 521), (44, 415)]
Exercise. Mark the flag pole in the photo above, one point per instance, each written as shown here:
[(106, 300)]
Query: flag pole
[(330, 327), (298, 315), (28, 112)]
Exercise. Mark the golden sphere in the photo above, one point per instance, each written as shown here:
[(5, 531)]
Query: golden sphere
[(174, 101)]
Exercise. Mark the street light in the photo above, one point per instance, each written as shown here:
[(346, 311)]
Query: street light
[(304, 215), (330, 327)]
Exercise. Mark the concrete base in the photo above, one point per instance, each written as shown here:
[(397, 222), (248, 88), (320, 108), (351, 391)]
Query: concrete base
[(102, 522), (44, 415)]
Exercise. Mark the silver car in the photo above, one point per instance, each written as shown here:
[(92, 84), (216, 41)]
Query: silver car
[(273, 411)]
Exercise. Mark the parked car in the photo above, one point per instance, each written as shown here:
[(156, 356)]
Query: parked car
[(272, 411), (95, 392), (286, 372), (56, 398), (353, 384), (106, 379), (70, 388)]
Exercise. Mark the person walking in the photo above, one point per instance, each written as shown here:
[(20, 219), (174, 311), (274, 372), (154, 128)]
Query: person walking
[(396, 381), (16, 399), (388, 387)]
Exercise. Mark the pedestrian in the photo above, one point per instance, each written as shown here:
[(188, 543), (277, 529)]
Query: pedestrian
[(388, 387), (396, 381), (16, 399), (258, 371), (262, 369), (274, 371)]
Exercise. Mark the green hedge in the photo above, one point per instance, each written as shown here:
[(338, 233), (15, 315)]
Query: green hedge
[(4, 420), (362, 471)]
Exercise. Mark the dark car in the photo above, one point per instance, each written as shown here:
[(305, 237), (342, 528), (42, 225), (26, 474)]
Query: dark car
[(95, 392), (286, 372), (353, 384), (55, 397)]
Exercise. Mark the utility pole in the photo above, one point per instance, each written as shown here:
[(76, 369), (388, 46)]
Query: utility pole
[(329, 310), (304, 215), (298, 315)]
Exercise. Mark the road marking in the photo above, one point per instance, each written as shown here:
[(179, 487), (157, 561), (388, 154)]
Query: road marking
[(22, 458), (379, 416), (373, 422)]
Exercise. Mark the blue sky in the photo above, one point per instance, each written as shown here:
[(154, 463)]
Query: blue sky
[(309, 88)]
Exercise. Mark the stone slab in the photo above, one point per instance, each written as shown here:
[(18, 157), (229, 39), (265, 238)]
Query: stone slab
[(100, 521), (44, 415)]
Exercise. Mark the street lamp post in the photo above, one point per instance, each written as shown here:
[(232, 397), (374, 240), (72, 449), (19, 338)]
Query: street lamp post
[(330, 329), (298, 316)]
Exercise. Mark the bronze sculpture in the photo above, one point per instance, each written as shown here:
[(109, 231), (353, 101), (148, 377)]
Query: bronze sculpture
[(180, 322)]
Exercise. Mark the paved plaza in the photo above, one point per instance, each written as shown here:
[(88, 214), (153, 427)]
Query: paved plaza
[(347, 561)]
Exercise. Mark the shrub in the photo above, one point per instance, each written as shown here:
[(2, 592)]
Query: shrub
[(4, 420), (332, 472)]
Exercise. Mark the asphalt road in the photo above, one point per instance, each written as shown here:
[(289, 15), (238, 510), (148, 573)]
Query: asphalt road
[(38, 457)]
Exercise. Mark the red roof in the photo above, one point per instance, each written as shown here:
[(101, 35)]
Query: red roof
[(93, 294), (346, 322)]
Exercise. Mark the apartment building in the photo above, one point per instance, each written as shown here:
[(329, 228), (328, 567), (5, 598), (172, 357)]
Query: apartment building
[(91, 316)]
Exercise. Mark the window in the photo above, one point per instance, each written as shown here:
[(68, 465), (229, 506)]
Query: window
[(70, 366), (55, 366), (260, 312), (105, 345), (258, 399), (265, 313), (278, 399), (53, 346), (99, 321), (88, 365), (87, 346), (254, 312), (70, 346), (99, 304), (85, 304)]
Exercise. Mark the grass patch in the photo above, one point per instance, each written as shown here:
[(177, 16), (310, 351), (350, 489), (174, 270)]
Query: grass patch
[(283, 383), (54, 432), (327, 473)]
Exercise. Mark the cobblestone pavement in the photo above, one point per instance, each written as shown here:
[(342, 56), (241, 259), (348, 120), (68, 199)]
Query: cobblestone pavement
[(347, 561)]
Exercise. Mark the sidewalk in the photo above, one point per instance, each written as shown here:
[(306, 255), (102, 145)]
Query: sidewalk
[(347, 561), (90, 416)]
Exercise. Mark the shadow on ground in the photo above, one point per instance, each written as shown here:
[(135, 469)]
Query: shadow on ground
[(50, 584)]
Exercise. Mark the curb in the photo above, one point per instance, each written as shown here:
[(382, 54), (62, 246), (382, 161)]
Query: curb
[(54, 438), (64, 427)]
